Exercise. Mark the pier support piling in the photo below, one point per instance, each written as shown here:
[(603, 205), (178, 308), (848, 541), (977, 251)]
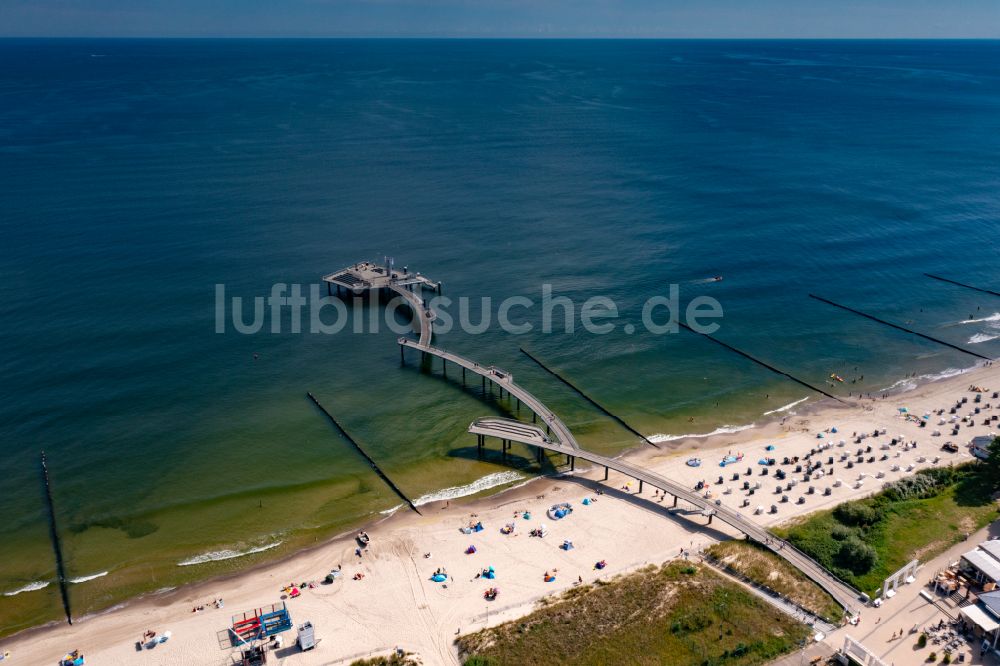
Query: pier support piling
[(605, 473), (640, 487)]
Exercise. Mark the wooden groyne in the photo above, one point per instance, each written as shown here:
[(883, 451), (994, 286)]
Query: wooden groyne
[(56, 545), (367, 457), (962, 284), (762, 363), (586, 397), (900, 328)]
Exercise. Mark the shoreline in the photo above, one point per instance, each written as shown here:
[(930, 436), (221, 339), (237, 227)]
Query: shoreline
[(778, 426)]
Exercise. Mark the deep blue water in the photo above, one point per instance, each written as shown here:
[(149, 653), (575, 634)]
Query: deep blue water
[(137, 175)]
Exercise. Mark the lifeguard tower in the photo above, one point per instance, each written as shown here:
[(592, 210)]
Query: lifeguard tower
[(260, 624)]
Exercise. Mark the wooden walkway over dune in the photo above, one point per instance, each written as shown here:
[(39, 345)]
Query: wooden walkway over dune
[(526, 433)]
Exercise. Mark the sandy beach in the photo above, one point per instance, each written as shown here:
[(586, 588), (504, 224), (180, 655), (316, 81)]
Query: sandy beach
[(396, 604)]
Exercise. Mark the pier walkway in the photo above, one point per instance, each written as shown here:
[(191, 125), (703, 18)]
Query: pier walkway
[(365, 276), (505, 381), (512, 430), (425, 316)]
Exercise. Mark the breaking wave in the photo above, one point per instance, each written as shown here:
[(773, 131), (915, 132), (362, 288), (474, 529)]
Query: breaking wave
[(786, 407), (477, 486), (722, 430), (910, 383), (84, 579), (30, 587), (993, 317), (219, 555), (982, 337)]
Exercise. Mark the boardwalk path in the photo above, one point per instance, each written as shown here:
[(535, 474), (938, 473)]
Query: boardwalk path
[(564, 443)]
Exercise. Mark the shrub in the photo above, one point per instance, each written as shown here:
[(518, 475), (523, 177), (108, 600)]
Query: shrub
[(857, 514), (922, 641), (932, 657), (840, 532), (856, 555), (922, 485)]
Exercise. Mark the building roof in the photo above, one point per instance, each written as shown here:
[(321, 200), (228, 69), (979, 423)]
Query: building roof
[(992, 547), (981, 560), (980, 618), (991, 600)]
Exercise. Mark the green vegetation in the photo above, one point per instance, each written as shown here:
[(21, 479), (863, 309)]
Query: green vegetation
[(678, 613), (767, 569), (395, 659), (865, 541), (992, 464)]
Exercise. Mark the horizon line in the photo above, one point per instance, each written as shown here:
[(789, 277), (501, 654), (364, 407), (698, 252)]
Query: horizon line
[(497, 38)]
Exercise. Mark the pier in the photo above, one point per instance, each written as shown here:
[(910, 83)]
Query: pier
[(367, 275), (505, 381), (509, 430), (556, 436)]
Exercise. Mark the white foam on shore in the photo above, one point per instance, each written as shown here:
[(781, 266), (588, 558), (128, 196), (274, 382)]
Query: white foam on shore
[(391, 510), (722, 430), (982, 337), (30, 587), (911, 383), (219, 555), (84, 579), (786, 407), (477, 486)]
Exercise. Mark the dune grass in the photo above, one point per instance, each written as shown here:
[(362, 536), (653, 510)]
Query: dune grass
[(680, 613), (767, 569)]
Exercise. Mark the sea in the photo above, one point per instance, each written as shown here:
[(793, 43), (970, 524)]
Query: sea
[(146, 184)]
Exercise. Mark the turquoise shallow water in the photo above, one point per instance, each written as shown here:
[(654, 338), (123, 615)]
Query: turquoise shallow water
[(137, 175)]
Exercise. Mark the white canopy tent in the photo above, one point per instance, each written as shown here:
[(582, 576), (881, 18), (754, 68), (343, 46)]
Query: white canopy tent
[(985, 564), (984, 621)]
